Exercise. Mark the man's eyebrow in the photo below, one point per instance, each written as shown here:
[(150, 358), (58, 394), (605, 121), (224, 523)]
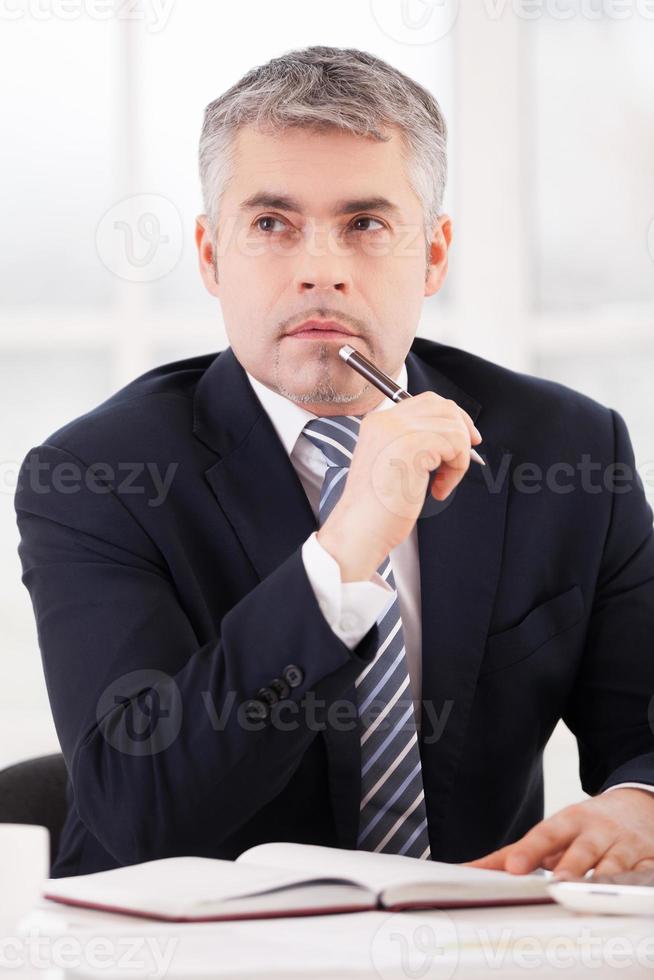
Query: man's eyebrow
[(265, 199)]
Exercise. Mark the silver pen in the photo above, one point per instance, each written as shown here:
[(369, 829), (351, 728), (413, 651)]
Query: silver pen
[(382, 382)]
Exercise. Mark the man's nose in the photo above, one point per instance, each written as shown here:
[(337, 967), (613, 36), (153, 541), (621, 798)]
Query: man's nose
[(320, 265), (305, 285)]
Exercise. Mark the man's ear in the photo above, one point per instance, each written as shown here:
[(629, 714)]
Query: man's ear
[(206, 254), (438, 255)]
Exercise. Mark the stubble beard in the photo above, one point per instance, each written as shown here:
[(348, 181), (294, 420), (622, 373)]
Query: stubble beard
[(323, 392)]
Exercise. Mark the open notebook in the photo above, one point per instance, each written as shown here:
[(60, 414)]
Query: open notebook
[(291, 879)]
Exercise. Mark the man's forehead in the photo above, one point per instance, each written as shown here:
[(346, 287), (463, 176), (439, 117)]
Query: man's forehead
[(269, 172)]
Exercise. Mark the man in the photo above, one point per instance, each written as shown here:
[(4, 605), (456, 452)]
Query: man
[(323, 624)]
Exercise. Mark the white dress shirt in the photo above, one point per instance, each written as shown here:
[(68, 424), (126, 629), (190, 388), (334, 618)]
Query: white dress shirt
[(351, 608)]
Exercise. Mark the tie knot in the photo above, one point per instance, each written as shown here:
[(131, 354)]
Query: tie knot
[(335, 435)]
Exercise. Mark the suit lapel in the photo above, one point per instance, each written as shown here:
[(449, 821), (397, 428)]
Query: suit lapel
[(460, 545), (254, 481)]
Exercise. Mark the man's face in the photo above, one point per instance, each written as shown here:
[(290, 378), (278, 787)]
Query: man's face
[(320, 226)]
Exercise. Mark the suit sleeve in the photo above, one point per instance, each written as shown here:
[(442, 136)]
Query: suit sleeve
[(156, 728), (611, 710)]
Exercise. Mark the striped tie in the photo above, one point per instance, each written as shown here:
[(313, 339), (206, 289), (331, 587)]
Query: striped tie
[(393, 816)]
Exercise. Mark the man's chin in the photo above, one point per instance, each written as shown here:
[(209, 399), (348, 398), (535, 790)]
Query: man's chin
[(318, 376), (324, 392), (319, 396)]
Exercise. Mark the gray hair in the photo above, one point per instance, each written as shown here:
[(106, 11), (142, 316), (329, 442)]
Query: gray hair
[(323, 88)]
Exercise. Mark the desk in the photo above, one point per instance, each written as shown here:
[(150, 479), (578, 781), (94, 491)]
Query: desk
[(508, 943)]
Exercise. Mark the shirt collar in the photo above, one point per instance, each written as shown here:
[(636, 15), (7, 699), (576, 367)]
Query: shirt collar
[(289, 418)]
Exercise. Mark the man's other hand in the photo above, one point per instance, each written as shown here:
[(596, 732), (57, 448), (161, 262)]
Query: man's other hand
[(612, 832)]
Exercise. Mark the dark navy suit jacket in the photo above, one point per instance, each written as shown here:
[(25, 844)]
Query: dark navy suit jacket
[(162, 615)]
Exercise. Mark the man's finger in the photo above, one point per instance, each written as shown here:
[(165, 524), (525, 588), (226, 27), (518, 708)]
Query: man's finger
[(541, 841), (582, 855), (496, 859), (621, 857), (552, 860), (493, 861), (546, 838)]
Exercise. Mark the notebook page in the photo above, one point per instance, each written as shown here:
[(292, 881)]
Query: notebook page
[(375, 871), (175, 885)]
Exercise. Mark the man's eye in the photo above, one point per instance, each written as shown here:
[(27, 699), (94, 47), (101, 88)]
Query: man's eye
[(269, 218), (366, 218)]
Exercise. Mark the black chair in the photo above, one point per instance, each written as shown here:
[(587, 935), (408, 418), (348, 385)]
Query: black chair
[(34, 791)]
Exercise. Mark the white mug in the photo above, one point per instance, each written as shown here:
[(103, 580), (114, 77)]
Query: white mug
[(24, 868)]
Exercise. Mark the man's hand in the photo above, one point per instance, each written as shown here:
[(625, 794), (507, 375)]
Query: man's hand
[(391, 468), (611, 832)]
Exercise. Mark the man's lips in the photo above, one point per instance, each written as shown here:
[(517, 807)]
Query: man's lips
[(320, 330)]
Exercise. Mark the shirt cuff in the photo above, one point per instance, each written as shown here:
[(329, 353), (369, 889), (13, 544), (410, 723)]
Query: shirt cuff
[(350, 608), (630, 786)]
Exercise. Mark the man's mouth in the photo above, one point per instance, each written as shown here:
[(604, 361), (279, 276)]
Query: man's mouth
[(319, 335), (320, 330)]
